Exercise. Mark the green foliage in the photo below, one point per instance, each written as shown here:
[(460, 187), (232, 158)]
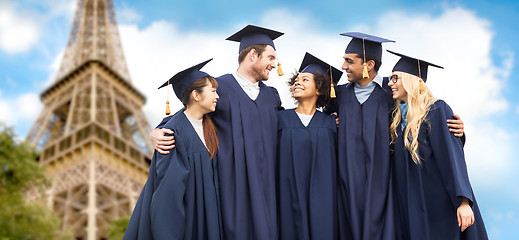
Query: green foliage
[(117, 228), (20, 172)]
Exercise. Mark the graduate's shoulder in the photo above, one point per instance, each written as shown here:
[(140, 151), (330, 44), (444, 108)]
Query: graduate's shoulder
[(328, 120), (177, 122), (440, 109), (342, 86), (270, 88), (342, 89), (273, 95), (284, 112), (327, 117), (284, 117), (164, 121), (224, 78)]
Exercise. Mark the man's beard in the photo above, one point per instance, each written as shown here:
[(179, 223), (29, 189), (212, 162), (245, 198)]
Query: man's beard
[(258, 73)]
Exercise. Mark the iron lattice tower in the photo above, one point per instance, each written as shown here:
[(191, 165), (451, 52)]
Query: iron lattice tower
[(92, 133)]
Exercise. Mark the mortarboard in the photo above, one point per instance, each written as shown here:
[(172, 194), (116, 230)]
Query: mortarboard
[(252, 35), (365, 45), (412, 66), (312, 64), (183, 79)]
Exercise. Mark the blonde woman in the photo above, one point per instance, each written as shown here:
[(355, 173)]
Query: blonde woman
[(433, 195)]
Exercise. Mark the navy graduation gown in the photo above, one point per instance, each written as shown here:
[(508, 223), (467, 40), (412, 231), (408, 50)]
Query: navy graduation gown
[(307, 182), (427, 196), (246, 160), (180, 197), (365, 202)]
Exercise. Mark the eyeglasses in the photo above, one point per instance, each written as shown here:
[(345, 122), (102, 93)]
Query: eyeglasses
[(394, 78)]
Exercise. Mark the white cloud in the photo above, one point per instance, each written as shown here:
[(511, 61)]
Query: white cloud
[(127, 15), (18, 31), (489, 153), (28, 106), (54, 67), (22, 110), (517, 109)]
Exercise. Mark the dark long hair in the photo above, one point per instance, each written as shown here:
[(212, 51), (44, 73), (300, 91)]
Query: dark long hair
[(210, 137)]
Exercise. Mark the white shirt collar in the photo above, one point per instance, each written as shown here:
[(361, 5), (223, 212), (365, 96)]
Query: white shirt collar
[(243, 81), (378, 80), (251, 89)]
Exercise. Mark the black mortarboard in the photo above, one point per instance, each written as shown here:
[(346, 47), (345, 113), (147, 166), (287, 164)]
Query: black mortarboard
[(313, 65), (412, 66), (251, 35), (365, 44), (183, 79)]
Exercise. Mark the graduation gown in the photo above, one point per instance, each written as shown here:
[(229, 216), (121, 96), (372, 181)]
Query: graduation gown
[(307, 182), (365, 203), (180, 198), (427, 196), (246, 160)]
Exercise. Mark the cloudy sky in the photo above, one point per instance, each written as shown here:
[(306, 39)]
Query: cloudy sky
[(476, 42)]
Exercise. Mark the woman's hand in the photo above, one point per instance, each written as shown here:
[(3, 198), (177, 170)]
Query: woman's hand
[(465, 215)]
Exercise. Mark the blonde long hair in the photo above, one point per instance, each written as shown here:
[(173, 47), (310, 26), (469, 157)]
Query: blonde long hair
[(419, 101)]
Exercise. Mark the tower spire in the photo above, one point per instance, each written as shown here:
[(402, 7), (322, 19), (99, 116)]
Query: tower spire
[(92, 133), (94, 36)]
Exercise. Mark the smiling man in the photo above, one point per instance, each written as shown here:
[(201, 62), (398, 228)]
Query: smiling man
[(246, 123), (365, 209), (364, 106)]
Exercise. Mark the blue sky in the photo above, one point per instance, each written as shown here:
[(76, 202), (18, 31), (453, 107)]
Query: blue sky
[(476, 42)]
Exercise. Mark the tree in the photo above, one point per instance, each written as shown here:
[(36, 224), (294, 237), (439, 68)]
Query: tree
[(20, 172), (117, 228)]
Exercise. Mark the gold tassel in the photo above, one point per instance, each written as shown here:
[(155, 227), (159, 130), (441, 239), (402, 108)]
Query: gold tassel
[(365, 73), (332, 89), (422, 87), (280, 72), (168, 111)]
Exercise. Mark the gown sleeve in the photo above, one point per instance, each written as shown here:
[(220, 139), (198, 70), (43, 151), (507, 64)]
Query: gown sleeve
[(164, 121), (448, 152), (167, 209)]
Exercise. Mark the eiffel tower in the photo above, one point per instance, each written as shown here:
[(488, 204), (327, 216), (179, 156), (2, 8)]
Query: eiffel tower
[(92, 133)]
